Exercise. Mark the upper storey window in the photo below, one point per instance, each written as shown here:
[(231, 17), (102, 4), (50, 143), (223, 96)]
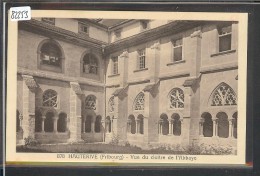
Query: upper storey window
[(114, 65), (49, 20), (177, 50), (83, 28), (141, 57), (224, 95), (50, 98), (50, 54), (139, 102), (90, 64), (224, 33), (144, 25), (176, 98)]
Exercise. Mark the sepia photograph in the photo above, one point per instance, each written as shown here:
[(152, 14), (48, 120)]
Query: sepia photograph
[(132, 88)]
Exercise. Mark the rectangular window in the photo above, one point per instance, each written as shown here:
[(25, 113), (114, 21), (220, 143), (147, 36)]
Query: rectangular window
[(114, 65), (177, 50), (141, 59), (83, 28), (49, 20), (224, 34)]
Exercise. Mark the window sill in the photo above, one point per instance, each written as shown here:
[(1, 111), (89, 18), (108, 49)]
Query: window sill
[(176, 62), (114, 75), (143, 69), (222, 53)]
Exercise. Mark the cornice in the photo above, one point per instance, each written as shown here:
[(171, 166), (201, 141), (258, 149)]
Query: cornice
[(58, 77), (152, 34), (52, 31)]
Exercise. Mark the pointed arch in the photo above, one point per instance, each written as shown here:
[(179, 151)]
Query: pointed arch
[(90, 102), (223, 95), (176, 98), (139, 102), (111, 104)]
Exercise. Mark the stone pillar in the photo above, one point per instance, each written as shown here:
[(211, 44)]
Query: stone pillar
[(201, 126), (170, 126), (43, 119), (215, 127), (230, 129), (160, 126), (29, 88), (75, 112), (129, 126), (20, 122), (154, 66), (83, 125), (137, 126), (123, 59), (55, 124), (67, 121), (92, 125)]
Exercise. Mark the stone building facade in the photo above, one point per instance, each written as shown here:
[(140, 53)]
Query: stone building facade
[(139, 81)]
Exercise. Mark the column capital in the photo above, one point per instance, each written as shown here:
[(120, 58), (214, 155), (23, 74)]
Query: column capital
[(156, 46), (196, 34), (76, 88), (30, 82), (124, 54)]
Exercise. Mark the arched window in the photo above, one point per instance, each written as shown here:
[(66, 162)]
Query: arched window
[(223, 125), (207, 125), (131, 124), (90, 102), (140, 124), (90, 64), (139, 102), (163, 125), (98, 124), (18, 127), (176, 98), (223, 95), (108, 125), (88, 124), (176, 131), (62, 123), (38, 121), (111, 104), (48, 122), (49, 98), (50, 54), (235, 125)]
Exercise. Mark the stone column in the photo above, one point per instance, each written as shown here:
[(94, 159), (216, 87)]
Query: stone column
[(55, 124), (92, 125), (154, 67), (123, 63), (43, 119), (67, 121), (20, 122), (230, 129), (201, 126), (137, 126), (181, 127), (215, 127), (170, 126), (29, 88), (83, 121), (129, 126), (75, 112)]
